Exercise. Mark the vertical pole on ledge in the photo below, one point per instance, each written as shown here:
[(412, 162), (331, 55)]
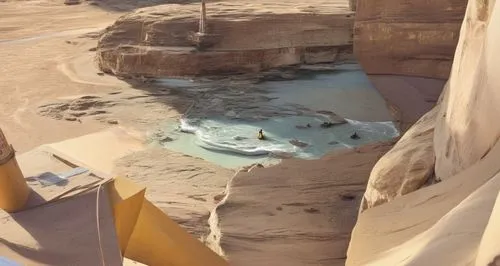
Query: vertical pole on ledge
[(14, 190), (353, 5), (203, 19)]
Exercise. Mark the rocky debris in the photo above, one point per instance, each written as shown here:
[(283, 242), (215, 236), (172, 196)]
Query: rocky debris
[(72, 2), (277, 75), (355, 136), (70, 118), (311, 210), (303, 127), (157, 41), (251, 167), (73, 109), (241, 102), (92, 35), (330, 124), (112, 108), (159, 136), (404, 37), (318, 67), (281, 155), (406, 167), (327, 124), (347, 196), (219, 197), (298, 143), (334, 118)]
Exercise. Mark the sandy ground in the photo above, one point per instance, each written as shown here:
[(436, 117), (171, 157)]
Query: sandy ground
[(29, 70)]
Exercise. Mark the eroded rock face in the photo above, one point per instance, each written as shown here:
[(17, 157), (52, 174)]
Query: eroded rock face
[(158, 41), (467, 125), (406, 167), (401, 37), (463, 209)]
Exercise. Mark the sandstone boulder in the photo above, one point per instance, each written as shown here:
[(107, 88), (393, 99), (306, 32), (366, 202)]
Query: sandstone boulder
[(404, 37), (406, 167), (247, 37)]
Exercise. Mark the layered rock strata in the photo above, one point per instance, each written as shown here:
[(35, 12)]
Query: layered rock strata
[(158, 41), (412, 44), (414, 38)]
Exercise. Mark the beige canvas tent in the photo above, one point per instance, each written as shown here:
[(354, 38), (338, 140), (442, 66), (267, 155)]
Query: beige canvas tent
[(65, 209)]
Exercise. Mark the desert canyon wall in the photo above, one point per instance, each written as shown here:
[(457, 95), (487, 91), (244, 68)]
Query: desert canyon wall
[(412, 44), (455, 221), (407, 49), (410, 38), (161, 40), (467, 129)]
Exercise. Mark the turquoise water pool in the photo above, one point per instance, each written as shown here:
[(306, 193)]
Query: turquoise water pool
[(232, 142)]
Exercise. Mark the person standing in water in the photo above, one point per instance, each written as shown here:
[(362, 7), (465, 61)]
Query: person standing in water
[(261, 135)]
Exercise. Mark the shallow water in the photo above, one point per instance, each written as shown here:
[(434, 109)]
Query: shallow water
[(232, 142), (189, 145), (346, 92)]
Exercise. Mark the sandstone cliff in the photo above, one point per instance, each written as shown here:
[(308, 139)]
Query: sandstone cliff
[(244, 37), (415, 38), (454, 222), (413, 43), (467, 128), (406, 48)]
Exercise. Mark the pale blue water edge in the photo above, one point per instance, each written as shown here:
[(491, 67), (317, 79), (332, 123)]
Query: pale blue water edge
[(233, 143)]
